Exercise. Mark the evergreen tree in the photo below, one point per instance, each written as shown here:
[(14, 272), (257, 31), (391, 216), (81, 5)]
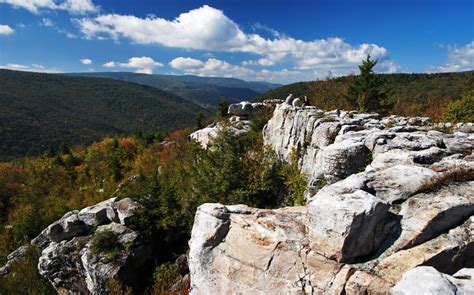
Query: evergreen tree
[(199, 121), (366, 93), (222, 108)]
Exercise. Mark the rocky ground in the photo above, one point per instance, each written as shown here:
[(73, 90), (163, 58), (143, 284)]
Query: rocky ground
[(390, 206)]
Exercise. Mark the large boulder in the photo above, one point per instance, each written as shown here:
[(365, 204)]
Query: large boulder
[(69, 226), (339, 160), (99, 214), (126, 209), (399, 182), (237, 249), (427, 215), (241, 109), (346, 226), (427, 280)]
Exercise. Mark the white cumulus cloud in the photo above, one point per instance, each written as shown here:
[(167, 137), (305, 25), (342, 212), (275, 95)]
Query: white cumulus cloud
[(6, 30), (86, 61), (110, 64), (213, 67), (459, 59), (183, 63), (207, 28), (202, 28), (72, 6), (144, 64)]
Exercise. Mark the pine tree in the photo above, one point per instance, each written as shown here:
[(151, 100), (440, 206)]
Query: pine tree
[(199, 120), (222, 108), (366, 93)]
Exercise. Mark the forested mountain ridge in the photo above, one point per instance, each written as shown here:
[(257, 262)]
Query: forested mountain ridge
[(415, 94), (206, 91), (38, 110)]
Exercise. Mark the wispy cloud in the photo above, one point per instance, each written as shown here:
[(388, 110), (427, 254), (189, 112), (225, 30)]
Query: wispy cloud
[(47, 22), (459, 59), (72, 6), (29, 68)]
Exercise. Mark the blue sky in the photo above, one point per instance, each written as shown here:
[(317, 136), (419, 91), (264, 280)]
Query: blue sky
[(270, 40)]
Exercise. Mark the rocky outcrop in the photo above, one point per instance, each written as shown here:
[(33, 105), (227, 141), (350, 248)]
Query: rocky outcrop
[(75, 261), (386, 197), (71, 262), (238, 122), (330, 146), (236, 125)]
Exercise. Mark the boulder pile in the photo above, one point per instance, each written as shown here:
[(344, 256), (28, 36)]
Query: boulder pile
[(390, 201)]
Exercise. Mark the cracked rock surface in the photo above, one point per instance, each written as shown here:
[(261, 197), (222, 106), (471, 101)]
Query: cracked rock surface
[(396, 210)]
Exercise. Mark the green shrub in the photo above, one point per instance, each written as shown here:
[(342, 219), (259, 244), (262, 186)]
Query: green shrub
[(295, 182), (105, 242), (165, 276)]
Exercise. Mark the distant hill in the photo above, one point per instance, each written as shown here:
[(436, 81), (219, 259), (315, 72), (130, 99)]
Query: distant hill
[(38, 109), (206, 91), (416, 94)]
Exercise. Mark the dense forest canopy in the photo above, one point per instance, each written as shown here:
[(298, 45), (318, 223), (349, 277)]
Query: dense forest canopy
[(205, 91), (38, 110)]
